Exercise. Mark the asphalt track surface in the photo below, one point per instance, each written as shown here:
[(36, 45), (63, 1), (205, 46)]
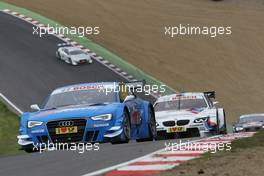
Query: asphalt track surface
[(29, 71)]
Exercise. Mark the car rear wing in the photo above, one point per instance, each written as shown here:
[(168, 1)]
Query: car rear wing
[(210, 94), (64, 44)]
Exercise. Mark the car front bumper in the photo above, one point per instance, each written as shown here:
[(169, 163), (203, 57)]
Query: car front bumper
[(203, 131), (99, 133), (82, 61)]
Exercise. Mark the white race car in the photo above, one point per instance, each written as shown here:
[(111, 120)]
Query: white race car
[(189, 115), (72, 55)]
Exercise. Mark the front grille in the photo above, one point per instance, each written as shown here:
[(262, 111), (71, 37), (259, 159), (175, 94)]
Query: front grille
[(91, 136), (82, 61), (169, 123), (183, 122), (66, 138)]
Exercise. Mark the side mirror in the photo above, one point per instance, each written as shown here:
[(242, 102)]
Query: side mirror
[(35, 107), (129, 97), (215, 102)]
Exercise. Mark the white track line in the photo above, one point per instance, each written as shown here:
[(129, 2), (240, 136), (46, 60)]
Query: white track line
[(11, 104), (148, 167)]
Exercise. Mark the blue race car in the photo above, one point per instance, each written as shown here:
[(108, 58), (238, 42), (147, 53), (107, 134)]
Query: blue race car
[(89, 113)]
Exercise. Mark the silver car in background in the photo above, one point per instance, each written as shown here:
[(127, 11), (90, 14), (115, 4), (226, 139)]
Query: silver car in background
[(249, 123), (72, 55)]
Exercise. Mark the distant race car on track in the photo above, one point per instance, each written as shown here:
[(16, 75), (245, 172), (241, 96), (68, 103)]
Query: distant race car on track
[(188, 115), (72, 55), (249, 122), (87, 113)]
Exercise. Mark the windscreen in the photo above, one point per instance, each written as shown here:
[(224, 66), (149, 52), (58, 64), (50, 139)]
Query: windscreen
[(181, 103), (76, 52), (80, 97), (251, 119)]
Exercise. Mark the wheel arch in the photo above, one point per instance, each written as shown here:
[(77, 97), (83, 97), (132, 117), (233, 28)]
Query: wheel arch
[(125, 108), (153, 110)]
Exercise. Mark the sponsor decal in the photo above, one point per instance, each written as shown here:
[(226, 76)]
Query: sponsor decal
[(176, 129), (136, 118), (78, 88), (100, 125), (67, 130), (210, 125), (38, 131), (186, 97)]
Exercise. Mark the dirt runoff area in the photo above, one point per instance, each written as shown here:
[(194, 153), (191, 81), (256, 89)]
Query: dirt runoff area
[(246, 162), (244, 159), (232, 65)]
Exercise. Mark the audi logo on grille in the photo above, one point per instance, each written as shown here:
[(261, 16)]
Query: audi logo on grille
[(66, 123)]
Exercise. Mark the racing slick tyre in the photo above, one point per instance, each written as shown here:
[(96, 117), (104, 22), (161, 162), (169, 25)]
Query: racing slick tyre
[(125, 136), (223, 130), (151, 127), (70, 61), (58, 55)]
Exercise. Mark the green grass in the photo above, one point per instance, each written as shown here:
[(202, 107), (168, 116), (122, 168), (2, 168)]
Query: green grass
[(9, 124), (256, 141), (243, 143)]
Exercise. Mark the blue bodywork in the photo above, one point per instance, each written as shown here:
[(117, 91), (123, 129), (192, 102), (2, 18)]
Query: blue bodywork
[(93, 130)]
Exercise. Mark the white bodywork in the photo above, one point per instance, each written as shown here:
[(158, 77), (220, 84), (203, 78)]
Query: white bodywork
[(73, 55), (196, 118)]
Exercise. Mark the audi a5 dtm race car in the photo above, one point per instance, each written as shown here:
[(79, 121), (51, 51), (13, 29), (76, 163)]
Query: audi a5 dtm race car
[(72, 55), (249, 122), (188, 115), (85, 113)]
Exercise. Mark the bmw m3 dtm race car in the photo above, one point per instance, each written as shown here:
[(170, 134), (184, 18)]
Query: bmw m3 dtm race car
[(88, 113), (188, 115), (72, 55)]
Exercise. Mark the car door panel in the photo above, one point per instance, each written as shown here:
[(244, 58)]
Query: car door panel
[(136, 111)]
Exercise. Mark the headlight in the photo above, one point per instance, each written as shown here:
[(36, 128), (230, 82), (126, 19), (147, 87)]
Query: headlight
[(201, 120), (104, 117), (34, 123), (239, 128)]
